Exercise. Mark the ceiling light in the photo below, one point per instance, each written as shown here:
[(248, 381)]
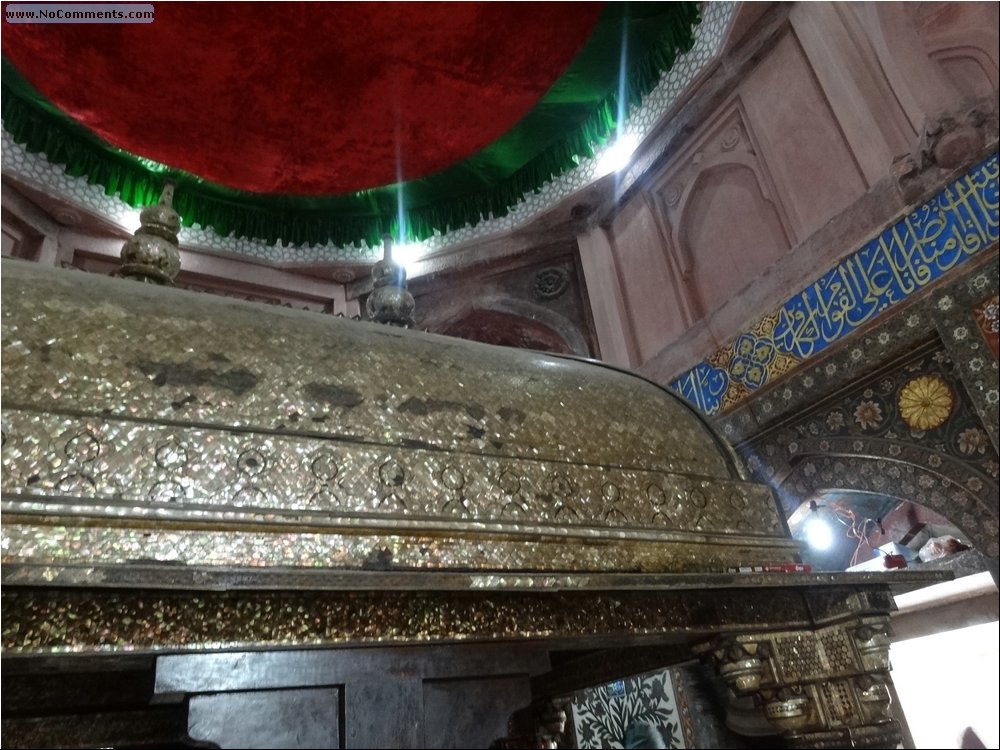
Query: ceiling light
[(818, 528), (617, 155), (818, 533)]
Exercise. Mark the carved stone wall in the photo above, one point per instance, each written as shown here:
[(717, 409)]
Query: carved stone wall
[(535, 302), (721, 174), (820, 125)]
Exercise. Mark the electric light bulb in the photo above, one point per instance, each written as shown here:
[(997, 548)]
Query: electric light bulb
[(819, 534)]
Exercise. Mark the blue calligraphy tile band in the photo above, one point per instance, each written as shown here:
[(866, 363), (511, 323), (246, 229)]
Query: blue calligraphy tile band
[(920, 248)]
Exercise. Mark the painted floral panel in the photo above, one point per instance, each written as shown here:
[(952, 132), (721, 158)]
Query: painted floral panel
[(640, 709)]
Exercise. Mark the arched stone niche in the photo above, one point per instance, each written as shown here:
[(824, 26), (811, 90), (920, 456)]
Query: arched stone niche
[(721, 173), (935, 54), (510, 322), (506, 329), (726, 255)]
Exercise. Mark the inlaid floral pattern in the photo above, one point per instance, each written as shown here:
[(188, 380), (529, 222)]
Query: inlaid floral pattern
[(973, 441), (643, 707), (987, 315), (914, 421), (868, 415), (925, 402)]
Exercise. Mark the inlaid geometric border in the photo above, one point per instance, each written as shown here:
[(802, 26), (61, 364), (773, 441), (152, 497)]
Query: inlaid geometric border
[(64, 620), (130, 470)]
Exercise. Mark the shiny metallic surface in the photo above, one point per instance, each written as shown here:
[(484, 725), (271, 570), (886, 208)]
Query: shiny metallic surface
[(234, 578), (92, 543), (92, 346), (152, 254), (156, 426), (153, 615), (141, 467), (816, 685), (57, 619), (787, 714)]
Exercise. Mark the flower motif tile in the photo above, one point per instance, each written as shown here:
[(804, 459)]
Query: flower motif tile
[(986, 314), (925, 402), (912, 426)]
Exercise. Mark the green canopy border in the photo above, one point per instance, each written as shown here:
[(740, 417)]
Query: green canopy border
[(478, 188)]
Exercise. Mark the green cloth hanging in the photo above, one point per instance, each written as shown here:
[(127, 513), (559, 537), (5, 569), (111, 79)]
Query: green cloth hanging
[(577, 115)]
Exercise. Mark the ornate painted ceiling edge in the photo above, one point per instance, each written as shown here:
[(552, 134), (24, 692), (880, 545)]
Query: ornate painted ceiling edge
[(955, 225), (948, 311), (36, 170)]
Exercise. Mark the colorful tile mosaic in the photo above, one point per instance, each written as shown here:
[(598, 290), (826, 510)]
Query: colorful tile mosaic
[(957, 224), (946, 311), (919, 402), (986, 315), (909, 431)]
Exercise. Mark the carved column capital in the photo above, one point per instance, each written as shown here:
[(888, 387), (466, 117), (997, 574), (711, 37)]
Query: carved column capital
[(820, 688), (740, 663)]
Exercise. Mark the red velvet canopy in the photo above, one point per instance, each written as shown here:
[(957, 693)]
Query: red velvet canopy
[(305, 98)]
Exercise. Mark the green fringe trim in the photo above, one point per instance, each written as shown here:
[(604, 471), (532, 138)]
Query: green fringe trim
[(486, 185)]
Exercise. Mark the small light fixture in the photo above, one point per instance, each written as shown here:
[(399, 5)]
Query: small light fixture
[(818, 531)]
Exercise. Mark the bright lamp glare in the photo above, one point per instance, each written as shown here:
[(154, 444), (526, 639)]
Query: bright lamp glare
[(818, 534), (617, 155), (407, 254), (130, 221)]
